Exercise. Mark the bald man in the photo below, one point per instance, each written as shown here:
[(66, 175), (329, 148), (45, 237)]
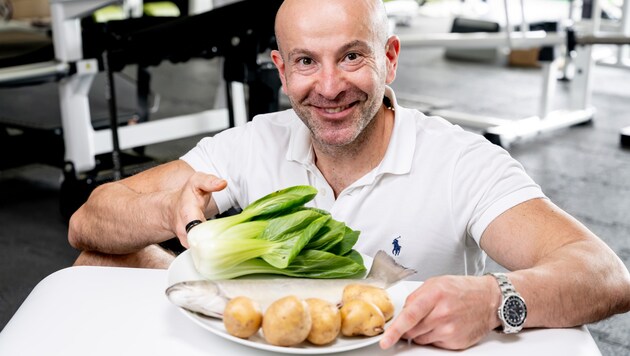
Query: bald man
[(443, 196)]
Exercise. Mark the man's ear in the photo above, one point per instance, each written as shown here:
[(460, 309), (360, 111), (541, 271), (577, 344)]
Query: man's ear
[(392, 50), (276, 57)]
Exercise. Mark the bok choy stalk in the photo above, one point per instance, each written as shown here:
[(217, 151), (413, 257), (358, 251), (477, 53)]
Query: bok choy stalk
[(308, 264), (237, 244), (276, 234)]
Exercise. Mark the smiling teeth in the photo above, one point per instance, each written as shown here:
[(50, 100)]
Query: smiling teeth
[(335, 110)]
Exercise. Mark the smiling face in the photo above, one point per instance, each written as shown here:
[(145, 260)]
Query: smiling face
[(334, 61)]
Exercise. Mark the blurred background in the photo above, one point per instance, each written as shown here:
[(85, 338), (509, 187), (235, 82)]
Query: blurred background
[(542, 78)]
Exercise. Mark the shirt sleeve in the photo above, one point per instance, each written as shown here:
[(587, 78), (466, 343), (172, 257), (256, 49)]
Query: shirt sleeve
[(487, 182)]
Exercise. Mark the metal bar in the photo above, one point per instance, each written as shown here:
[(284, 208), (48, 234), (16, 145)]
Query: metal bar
[(483, 39), (113, 118), (524, 24), (33, 71), (78, 133), (508, 26), (602, 38), (624, 51), (470, 120), (507, 134), (230, 107), (238, 101), (143, 91), (549, 87), (162, 130)]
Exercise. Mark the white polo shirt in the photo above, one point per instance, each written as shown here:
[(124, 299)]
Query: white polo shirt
[(435, 192)]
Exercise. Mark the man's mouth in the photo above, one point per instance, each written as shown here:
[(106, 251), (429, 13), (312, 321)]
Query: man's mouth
[(335, 110)]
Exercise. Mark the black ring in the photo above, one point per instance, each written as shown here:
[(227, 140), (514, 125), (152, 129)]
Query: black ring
[(192, 224)]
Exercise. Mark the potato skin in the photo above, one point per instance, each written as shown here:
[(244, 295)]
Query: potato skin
[(376, 295), (286, 322), (242, 317), (359, 317), (326, 321)]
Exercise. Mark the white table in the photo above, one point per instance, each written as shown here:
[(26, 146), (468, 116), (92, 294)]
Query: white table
[(120, 311)]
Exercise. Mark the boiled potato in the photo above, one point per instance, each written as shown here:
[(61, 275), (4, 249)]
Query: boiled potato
[(242, 317), (376, 295), (286, 321), (359, 317), (326, 321)]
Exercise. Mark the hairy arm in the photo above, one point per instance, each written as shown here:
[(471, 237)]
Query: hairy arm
[(153, 206), (565, 273)]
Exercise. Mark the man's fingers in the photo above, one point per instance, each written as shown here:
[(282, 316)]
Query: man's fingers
[(422, 328), (188, 219), (192, 201), (209, 183), (424, 339), (411, 315), (192, 224)]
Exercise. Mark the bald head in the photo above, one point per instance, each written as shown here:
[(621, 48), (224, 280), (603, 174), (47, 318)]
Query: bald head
[(335, 60), (311, 15)]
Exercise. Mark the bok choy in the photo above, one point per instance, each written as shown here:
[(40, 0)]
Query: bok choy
[(276, 234)]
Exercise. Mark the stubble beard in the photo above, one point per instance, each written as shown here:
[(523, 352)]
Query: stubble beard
[(362, 125)]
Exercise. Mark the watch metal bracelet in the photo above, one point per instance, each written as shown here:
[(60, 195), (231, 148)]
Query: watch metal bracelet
[(512, 300), (504, 283)]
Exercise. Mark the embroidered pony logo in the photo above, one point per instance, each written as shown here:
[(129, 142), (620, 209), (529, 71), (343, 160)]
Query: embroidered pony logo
[(396, 249)]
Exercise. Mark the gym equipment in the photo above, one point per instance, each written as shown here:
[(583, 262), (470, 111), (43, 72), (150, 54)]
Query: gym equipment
[(466, 25), (577, 40), (622, 60), (238, 33), (615, 36), (402, 12), (622, 57), (238, 42)]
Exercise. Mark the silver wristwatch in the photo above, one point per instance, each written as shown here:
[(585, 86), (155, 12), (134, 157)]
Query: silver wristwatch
[(513, 310)]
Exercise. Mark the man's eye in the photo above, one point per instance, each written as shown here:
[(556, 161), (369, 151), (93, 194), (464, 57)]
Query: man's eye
[(352, 56), (305, 61)]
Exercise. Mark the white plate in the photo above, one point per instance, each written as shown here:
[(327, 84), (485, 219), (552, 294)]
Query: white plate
[(182, 269)]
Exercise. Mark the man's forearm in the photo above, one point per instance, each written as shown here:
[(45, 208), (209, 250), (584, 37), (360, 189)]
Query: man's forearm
[(119, 220), (565, 273), (562, 293)]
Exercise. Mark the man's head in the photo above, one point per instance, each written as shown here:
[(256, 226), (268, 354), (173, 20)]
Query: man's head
[(334, 60)]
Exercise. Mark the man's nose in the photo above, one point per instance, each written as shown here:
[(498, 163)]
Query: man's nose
[(330, 82)]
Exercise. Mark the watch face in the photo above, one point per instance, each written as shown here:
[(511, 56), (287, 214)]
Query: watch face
[(514, 311)]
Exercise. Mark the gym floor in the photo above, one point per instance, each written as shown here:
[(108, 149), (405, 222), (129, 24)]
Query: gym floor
[(583, 169)]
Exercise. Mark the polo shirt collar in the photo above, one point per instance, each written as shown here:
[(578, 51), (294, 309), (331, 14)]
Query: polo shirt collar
[(398, 158), (300, 145)]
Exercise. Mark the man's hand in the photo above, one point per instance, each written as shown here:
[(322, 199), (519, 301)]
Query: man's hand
[(191, 202), (451, 312)]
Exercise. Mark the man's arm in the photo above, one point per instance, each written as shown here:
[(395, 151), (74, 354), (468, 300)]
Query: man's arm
[(566, 275), (150, 207)]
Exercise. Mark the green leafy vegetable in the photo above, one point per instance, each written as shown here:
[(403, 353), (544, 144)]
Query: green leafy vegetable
[(276, 234), (308, 264)]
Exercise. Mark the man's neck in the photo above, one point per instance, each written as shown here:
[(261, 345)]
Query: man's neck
[(342, 166)]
